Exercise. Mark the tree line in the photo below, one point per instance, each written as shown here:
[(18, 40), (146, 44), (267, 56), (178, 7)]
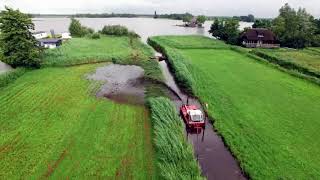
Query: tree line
[(294, 29)]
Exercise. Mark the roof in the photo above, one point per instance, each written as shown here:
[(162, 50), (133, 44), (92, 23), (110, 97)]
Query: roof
[(194, 112), (50, 40), (255, 34)]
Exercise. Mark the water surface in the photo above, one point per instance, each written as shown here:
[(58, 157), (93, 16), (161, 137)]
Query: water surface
[(145, 27)]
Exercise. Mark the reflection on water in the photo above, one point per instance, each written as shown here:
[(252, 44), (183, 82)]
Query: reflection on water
[(145, 27)]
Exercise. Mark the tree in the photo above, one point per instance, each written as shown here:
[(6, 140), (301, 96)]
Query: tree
[(250, 18), (187, 17), (77, 30), (201, 20), (294, 28), (216, 28), (227, 31), (262, 23), (18, 45)]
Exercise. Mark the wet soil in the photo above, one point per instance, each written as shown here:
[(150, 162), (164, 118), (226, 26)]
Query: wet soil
[(4, 67), (215, 159), (123, 83)]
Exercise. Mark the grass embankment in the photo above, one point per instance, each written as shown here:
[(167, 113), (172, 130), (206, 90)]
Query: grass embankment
[(306, 61), (268, 118), (52, 125), (175, 155)]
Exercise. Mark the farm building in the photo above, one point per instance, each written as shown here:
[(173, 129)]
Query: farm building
[(259, 38), (50, 43), (40, 34)]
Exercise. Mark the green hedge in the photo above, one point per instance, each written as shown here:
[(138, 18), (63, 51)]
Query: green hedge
[(286, 64), (11, 76), (175, 157)]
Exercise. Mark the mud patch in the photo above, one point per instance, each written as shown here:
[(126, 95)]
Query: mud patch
[(123, 83)]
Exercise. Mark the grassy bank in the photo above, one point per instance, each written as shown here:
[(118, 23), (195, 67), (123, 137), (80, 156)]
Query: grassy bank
[(267, 117), (306, 61), (175, 157), (11, 76), (53, 126)]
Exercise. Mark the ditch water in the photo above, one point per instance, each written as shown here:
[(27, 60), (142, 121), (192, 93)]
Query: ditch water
[(215, 159)]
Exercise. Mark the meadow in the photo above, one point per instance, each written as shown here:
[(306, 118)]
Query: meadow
[(268, 118), (53, 126), (86, 50), (306, 60)]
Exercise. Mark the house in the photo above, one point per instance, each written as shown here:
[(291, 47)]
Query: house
[(40, 34), (50, 43), (259, 38), (65, 35)]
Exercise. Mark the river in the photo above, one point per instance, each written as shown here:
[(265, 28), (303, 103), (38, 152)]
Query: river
[(145, 27)]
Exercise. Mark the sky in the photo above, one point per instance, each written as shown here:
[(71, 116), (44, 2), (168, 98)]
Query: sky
[(259, 8)]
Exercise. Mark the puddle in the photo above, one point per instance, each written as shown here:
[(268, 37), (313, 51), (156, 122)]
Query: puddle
[(123, 83), (4, 67), (214, 158)]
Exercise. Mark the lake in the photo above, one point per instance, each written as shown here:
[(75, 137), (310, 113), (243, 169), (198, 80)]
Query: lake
[(145, 27)]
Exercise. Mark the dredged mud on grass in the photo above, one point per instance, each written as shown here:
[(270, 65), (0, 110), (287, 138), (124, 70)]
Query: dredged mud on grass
[(123, 83)]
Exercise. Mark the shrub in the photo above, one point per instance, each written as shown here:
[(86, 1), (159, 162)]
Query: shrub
[(77, 30), (175, 157), (95, 36), (117, 30)]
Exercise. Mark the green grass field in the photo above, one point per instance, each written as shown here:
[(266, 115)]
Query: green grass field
[(307, 58), (53, 126), (269, 118)]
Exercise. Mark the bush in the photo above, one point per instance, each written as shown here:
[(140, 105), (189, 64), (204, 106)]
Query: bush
[(175, 157), (77, 30), (95, 36), (117, 30)]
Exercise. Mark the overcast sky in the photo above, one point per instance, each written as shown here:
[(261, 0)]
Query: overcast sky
[(265, 8)]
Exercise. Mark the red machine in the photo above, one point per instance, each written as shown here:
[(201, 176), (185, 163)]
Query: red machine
[(192, 116)]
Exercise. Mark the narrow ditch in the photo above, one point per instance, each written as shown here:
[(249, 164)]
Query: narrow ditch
[(214, 157)]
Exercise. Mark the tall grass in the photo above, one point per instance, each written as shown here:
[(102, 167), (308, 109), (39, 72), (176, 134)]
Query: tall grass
[(177, 63), (175, 156), (11, 76)]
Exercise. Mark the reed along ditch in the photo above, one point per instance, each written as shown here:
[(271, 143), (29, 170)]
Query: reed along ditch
[(125, 84), (215, 159)]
